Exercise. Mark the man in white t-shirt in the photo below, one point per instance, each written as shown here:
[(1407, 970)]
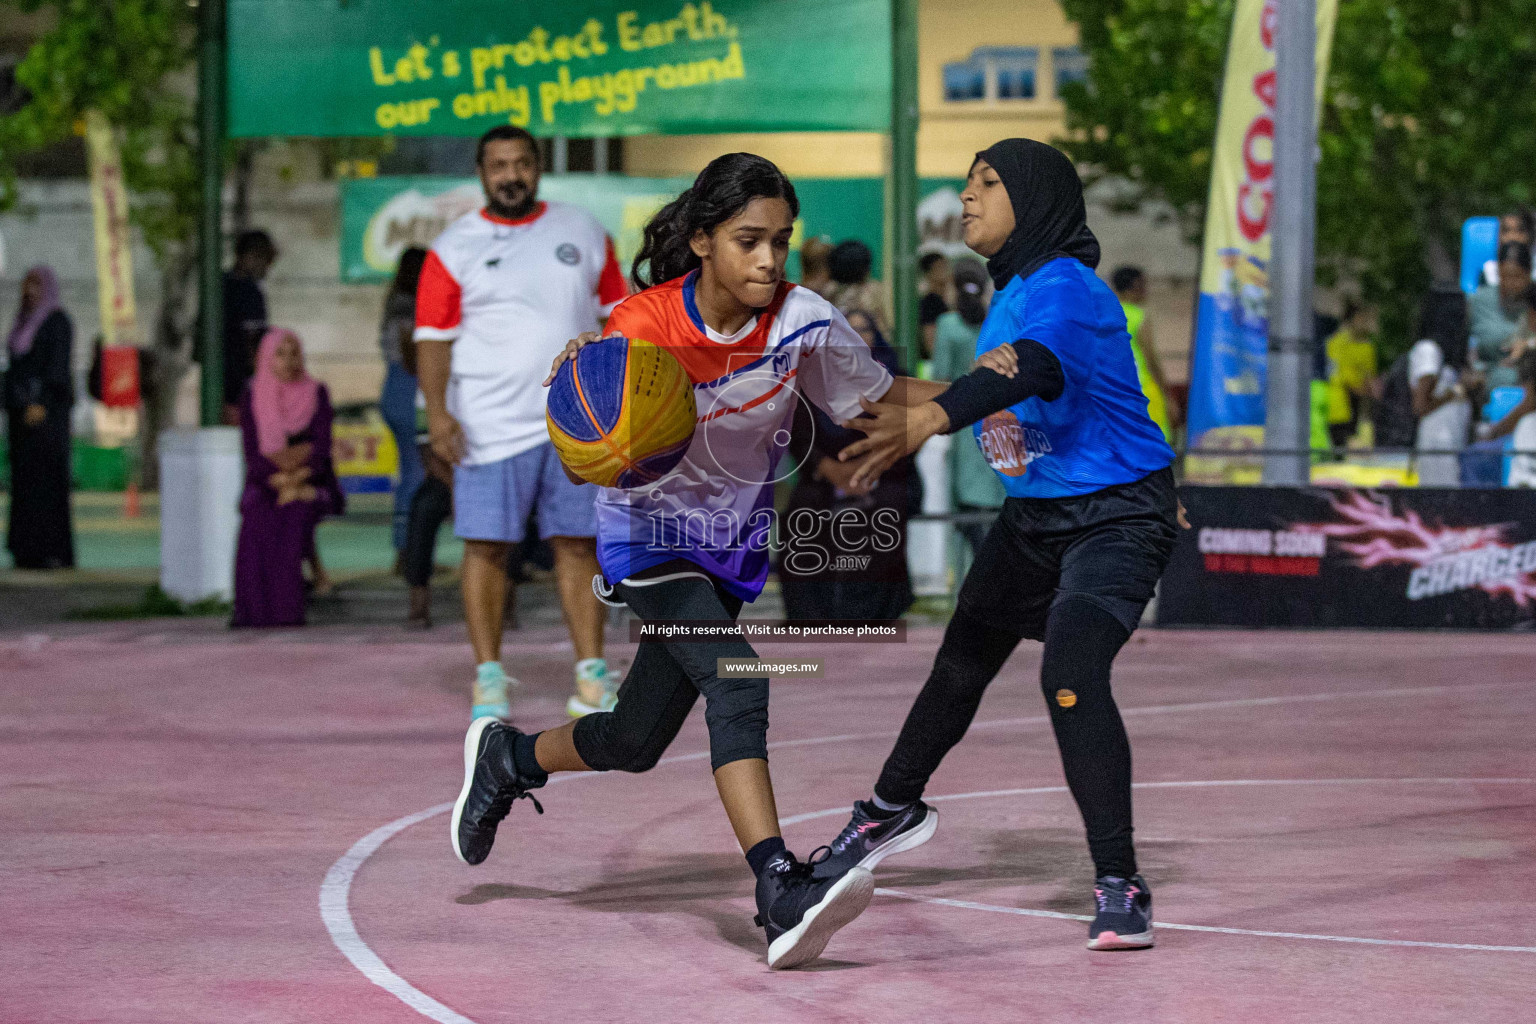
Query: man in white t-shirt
[(502, 290)]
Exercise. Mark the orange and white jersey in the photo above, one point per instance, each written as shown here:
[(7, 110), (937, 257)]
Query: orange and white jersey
[(509, 294), (715, 509)]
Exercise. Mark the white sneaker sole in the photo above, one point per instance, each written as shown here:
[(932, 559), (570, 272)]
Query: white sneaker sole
[(578, 708), (846, 900), (1110, 941), (911, 841), (471, 754)]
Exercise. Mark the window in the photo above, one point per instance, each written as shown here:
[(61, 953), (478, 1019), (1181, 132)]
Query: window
[(965, 81), (993, 73), (1071, 66), (1015, 70)]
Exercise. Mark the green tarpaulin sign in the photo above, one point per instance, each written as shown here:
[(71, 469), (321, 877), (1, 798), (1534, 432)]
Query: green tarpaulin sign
[(557, 67), (380, 217)]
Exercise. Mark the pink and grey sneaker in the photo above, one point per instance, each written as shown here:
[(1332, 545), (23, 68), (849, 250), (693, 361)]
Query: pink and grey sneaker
[(1123, 919)]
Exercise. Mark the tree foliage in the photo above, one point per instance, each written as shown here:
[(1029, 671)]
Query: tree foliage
[(131, 60), (1429, 117)]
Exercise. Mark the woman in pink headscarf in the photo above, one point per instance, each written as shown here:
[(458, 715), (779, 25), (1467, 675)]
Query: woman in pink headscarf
[(290, 483), (39, 391)]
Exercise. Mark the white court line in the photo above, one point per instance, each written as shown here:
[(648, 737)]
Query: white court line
[(1185, 784), (1160, 925), (335, 891)]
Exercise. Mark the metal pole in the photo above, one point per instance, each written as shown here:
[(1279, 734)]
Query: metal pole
[(904, 178), (560, 154), (1287, 426), (210, 141), (600, 155)]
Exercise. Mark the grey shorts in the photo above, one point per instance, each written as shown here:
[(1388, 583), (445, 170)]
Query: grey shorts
[(493, 501)]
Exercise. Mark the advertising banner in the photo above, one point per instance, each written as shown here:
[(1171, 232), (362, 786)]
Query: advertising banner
[(380, 217), (114, 277), (114, 256), (1227, 378), (1399, 558), (365, 456), (557, 67)]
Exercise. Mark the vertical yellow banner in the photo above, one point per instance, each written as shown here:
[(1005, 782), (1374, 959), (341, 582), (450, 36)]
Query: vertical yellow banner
[(114, 257), (1227, 380)]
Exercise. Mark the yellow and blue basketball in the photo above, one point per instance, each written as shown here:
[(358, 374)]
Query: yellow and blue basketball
[(621, 413)]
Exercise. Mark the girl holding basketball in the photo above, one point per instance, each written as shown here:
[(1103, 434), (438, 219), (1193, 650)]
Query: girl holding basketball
[(693, 546), (1086, 531)]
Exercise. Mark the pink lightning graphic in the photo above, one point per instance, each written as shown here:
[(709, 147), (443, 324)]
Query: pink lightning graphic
[(1374, 535)]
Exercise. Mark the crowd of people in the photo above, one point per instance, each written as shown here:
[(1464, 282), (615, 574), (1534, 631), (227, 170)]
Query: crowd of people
[(1462, 395), (1462, 398)]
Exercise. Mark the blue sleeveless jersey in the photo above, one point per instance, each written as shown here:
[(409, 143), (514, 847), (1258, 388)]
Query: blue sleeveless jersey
[(1097, 434)]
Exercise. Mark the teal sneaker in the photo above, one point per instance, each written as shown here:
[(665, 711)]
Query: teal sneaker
[(490, 692), (596, 689)]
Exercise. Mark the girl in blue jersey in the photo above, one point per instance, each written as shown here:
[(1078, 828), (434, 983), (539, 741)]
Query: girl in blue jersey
[(1086, 531)]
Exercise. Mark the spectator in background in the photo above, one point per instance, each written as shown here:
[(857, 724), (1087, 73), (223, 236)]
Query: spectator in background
[(1437, 364), (882, 588), (1515, 226), (503, 289), (39, 393), (1525, 378), (431, 506), (245, 315), (290, 483), (815, 255), (850, 263), (933, 304), (1496, 311), (1351, 372), (975, 487), (1521, 422), (1130, 285), (397, 403)]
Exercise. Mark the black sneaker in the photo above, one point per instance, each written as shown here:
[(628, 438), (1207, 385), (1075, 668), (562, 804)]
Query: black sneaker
[(1123, 919), (866, 840), (801, 912), (491, 783)]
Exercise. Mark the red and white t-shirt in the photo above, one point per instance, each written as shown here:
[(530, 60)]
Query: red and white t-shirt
[(509, 294)]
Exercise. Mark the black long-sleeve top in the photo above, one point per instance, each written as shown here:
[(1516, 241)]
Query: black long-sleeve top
[(976, 395)]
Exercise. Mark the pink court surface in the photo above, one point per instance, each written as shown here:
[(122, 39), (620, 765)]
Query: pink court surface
[(1340, 827)]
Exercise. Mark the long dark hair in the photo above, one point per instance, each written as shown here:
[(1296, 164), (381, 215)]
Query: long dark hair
[(720, 192), (971, 280)]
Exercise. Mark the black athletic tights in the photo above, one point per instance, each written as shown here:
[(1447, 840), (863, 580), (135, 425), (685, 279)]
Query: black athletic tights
[(1081, 641)]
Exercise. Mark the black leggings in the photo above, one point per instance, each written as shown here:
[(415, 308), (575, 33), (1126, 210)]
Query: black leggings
[(1080, 643), (667, 677), (1075, 574)]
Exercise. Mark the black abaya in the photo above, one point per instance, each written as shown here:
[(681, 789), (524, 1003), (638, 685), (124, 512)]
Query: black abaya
[(40, 535)]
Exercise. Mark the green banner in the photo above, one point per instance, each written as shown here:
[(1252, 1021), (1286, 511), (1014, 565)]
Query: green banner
[(556, 67), (380, 217)]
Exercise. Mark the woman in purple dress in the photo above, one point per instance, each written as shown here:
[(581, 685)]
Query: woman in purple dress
[(290, 483)]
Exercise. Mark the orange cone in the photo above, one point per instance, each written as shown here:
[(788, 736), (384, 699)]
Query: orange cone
[(131, 501)]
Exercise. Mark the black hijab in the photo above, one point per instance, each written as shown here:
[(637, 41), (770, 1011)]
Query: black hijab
[(1049, 217)]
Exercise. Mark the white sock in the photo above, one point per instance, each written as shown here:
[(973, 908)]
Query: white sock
[(591, 668), (489, 670), (874, 798)]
